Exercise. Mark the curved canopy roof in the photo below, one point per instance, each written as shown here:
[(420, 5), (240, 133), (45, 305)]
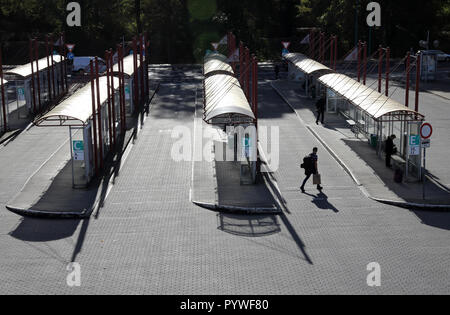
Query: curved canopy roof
[(128, 67), (25, 70), (369, 100), (224, 98), (305, 64), (216, 66), (215, 55), (79, 106)]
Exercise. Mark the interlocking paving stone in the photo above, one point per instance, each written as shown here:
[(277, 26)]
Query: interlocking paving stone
[(149, 238)]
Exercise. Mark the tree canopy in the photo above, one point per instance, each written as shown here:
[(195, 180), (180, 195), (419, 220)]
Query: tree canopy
[(181, 30)]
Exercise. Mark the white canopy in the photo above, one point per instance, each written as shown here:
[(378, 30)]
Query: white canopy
[(218, 66), (224, 96), (369, 100), (216, 56), (25, 70), (305, 64), (4, 82), (128, 66), (79, 105)]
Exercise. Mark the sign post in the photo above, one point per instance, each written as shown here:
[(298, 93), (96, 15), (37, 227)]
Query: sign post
[(426, 131), (286, 47)]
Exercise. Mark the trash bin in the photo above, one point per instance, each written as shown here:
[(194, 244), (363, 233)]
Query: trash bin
[(373, 141), (398, 176)]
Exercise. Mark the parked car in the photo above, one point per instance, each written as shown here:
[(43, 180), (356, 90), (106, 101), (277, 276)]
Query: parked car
[(81, 65)]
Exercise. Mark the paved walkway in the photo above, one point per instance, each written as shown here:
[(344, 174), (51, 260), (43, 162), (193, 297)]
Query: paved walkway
[(149, 238), (357, 157)]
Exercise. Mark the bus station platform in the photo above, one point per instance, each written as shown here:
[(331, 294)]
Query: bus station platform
[(358, 158), (49, 191), (216, 185)]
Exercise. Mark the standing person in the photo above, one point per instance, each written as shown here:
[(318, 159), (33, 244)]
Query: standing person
[(310, 164), (320, 105), (277, 71), (389, 149)]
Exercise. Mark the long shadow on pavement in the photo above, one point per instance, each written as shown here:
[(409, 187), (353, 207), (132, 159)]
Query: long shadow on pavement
[(440, 220), (248, 225), (321, 202)]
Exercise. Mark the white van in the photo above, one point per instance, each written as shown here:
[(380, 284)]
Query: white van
[(81, 65)]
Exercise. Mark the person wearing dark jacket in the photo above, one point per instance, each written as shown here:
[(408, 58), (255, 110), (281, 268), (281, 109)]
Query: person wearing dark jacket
[(320, 105), (311, 169), (389, 149)]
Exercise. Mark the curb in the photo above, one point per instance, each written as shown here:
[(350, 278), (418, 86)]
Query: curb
[(407, 205), (235, 209), (50, 215), (11, 135)]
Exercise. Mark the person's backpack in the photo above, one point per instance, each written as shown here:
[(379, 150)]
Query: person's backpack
[(307, 163)]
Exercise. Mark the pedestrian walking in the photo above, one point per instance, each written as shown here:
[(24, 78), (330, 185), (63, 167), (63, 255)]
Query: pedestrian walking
[(320, 105), (310, 164), (389, 149), (277, 71)]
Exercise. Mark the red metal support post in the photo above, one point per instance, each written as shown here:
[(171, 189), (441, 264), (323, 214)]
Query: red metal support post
[(61, 66), (241, 63), (135, 74), (365, 63), (99, 114), (359, 61), (335, 52), (418, 65), (408, 77), (388, 69), (113, 97), (5, 120), (247, 72), (108, 76), (63, 36), (94, 122), (255, 89), (147, 59), (331, 51), (53, 67), (49, 81), (38, 79), (33, 87), (122, 91), (380, 66), (142, 66)]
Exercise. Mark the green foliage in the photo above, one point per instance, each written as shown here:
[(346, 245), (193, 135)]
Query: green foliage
[(182, 30)]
